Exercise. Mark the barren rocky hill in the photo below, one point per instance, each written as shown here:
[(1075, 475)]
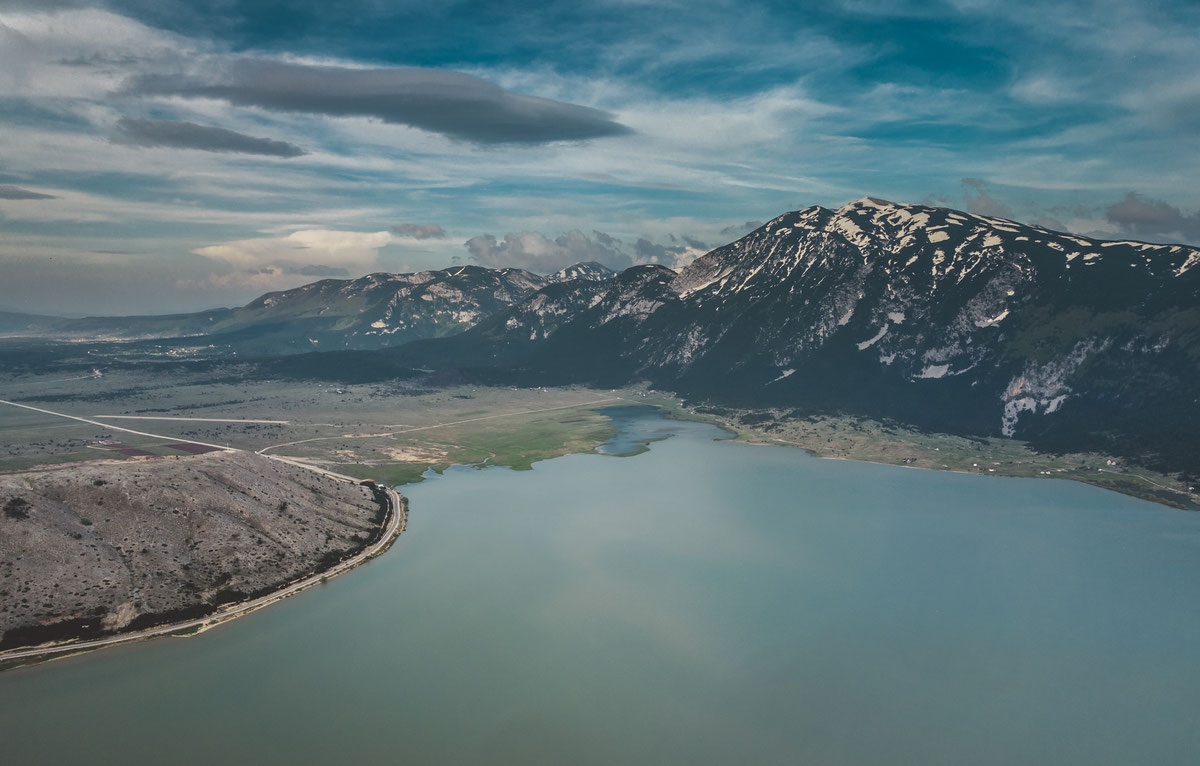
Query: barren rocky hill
[(92, 549)]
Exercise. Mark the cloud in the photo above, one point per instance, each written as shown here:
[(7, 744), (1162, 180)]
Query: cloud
[(651, 252), (16, 192), (982, 203), (1142, 217), (419, 231), (1047, 221), (536, 252), (309, 252), (189, 135), (606, 239), (672, 256), (451, 103), (740, 229), (320, 271)]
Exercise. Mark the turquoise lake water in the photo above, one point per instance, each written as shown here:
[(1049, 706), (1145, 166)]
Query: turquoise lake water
[(702, 603)]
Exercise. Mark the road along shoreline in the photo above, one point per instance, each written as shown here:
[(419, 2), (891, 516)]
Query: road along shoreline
[(394, 523)]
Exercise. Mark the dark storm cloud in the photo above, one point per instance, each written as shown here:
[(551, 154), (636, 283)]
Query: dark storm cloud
[(450, 103), (16, 192), (189, 135), (536, 252), (1142, 217), (420, 230)]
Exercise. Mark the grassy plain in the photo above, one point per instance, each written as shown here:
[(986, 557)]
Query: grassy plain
[(393, 432)]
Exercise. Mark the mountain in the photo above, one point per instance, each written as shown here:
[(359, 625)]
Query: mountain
[(941, 319), (12, 322), (371, 312)]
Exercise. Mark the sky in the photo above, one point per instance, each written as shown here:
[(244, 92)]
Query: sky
[(175, 155)]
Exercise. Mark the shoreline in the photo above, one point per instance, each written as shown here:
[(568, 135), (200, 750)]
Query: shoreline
[(394, 525), (1180, 499), (1191, 498)]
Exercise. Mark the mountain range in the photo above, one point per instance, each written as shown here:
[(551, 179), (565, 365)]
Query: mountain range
[(374, 311), (932, 317)]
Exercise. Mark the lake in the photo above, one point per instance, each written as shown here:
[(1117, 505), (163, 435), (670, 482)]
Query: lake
[(703, 602)]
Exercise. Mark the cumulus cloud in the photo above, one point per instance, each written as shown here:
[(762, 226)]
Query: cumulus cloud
[(451, 103), (189, 135), (536, 252), (419, 230), (309, 252), (1139, 216), (8, 191), (674, 255), (606, 239), (982, 203), (650, 252)]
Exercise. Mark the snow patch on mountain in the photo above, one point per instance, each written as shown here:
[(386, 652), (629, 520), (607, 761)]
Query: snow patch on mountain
[(866, 344)]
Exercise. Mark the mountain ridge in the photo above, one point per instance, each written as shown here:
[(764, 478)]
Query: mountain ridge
[(373, 311)]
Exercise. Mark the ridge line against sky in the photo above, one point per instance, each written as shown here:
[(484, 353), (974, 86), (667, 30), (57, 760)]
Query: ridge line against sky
[(163, 155)]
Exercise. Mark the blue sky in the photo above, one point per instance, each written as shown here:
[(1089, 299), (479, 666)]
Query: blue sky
[(159, 155)]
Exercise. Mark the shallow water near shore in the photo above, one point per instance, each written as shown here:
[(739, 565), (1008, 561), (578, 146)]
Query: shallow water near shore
[(704, 602)]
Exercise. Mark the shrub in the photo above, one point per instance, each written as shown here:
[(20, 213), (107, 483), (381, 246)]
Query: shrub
[(17, 508)]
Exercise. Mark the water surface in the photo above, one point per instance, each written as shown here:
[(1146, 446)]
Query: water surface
[(704, 602)]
